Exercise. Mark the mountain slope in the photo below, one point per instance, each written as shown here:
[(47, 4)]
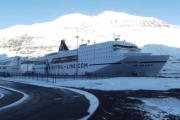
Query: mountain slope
[(173, 64)]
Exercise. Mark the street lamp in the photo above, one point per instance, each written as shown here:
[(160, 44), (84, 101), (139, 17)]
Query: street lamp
[(77, 56)]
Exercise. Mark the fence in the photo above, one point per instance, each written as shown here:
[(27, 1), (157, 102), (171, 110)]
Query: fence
[(52, 78)]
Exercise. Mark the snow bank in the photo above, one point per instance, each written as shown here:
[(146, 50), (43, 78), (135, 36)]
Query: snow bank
[(169, 105), (93, 101), (25, 97), (124, 83), (158, 108), (1, 95), (118, 83)]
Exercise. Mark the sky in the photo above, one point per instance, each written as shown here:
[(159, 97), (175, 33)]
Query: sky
[(27, 12)]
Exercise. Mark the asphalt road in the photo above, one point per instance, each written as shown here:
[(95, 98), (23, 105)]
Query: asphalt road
[(42, 104)]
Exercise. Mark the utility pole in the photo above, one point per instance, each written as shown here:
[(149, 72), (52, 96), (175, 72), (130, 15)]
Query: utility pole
[(27, 52), (77, 57), (94, 52)]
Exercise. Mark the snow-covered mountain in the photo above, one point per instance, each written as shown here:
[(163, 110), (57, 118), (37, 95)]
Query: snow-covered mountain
[(39, 39), (153, 35)]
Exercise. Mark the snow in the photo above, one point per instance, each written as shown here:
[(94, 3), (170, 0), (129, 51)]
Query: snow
[(108, 84), (25, 97), (124, 83), (161, 50), (1, 95), (172, 67), (158, 108), (94, 102)]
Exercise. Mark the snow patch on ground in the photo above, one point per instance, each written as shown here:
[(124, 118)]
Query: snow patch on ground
[(25, 97), (1, 95), (158, 108), (123, 83), (108, 84)]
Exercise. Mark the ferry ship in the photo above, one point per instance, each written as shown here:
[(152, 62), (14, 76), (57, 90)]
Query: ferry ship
[(8, 68), (113, 58)]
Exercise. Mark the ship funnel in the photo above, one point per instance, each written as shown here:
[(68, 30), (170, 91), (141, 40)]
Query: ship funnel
[(63, 46)]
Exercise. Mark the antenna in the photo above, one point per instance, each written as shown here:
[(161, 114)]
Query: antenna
[(77, 37), (82, 40), (114, 36)]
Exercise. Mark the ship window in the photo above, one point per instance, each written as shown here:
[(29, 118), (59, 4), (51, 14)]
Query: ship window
[(123, 46)]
